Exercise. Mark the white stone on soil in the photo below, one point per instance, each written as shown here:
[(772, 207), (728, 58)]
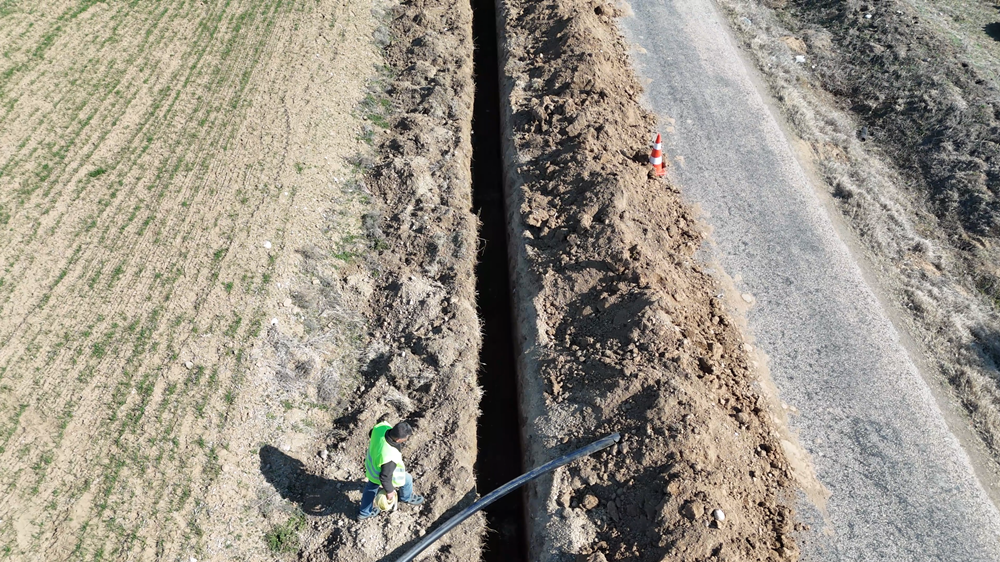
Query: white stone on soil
[(719, 515)]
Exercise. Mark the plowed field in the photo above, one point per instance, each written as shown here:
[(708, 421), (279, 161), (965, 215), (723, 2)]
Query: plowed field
[(178, 212)]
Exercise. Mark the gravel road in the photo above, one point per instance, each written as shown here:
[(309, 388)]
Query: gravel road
[(902, 486)]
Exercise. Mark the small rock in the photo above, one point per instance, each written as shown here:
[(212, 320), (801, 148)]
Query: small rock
[(565, 498), (613, 511), (693, 510), (315, 281), (267, 244), (274, 321), (285, 447), (800, 59), (188, 365), (597, 557), (192, 559), (705, 366), (324, 454), (589, 502), (747, 298), (719, 515), (287, 303)]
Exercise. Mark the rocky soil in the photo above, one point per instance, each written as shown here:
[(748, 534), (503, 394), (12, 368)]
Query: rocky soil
[(621, 328)]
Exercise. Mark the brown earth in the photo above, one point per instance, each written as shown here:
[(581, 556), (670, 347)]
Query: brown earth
[(621, 328)]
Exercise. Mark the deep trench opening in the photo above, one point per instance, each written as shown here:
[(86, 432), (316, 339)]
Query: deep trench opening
[(499, 432)]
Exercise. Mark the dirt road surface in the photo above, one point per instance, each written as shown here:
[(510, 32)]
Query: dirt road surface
[(901, 486)]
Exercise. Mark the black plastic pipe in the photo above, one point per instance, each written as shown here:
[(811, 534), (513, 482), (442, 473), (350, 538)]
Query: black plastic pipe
[(504, 490)]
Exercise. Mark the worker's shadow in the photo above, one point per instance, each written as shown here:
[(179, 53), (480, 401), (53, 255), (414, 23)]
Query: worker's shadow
[(313, 494)]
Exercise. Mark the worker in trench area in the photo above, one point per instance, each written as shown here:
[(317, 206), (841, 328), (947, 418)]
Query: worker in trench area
[(385, 470)]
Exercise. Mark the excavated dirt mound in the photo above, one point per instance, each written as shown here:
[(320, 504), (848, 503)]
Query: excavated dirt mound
[(424, 340), (621, 328)]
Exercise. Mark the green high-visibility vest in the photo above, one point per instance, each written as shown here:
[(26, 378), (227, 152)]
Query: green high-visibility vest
[(379, 453)]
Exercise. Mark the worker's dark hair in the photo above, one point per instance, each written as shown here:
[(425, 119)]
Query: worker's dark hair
[(401, 430)]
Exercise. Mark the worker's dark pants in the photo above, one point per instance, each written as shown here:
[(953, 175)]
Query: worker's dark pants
[(371, 490)]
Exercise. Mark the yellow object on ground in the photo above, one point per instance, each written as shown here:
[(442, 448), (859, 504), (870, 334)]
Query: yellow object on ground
[(383, 502)]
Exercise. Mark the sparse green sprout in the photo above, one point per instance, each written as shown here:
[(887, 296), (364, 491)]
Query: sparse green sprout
[(96, 172), (285, 538), (378, 120), (368, 136)]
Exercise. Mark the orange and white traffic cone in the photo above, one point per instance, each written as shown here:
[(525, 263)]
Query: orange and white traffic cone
[(656, 157)]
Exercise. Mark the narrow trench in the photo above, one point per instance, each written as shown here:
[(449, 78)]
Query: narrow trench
[(499, 456)]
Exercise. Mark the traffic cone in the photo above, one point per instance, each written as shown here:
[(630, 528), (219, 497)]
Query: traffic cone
[(656, 157)]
